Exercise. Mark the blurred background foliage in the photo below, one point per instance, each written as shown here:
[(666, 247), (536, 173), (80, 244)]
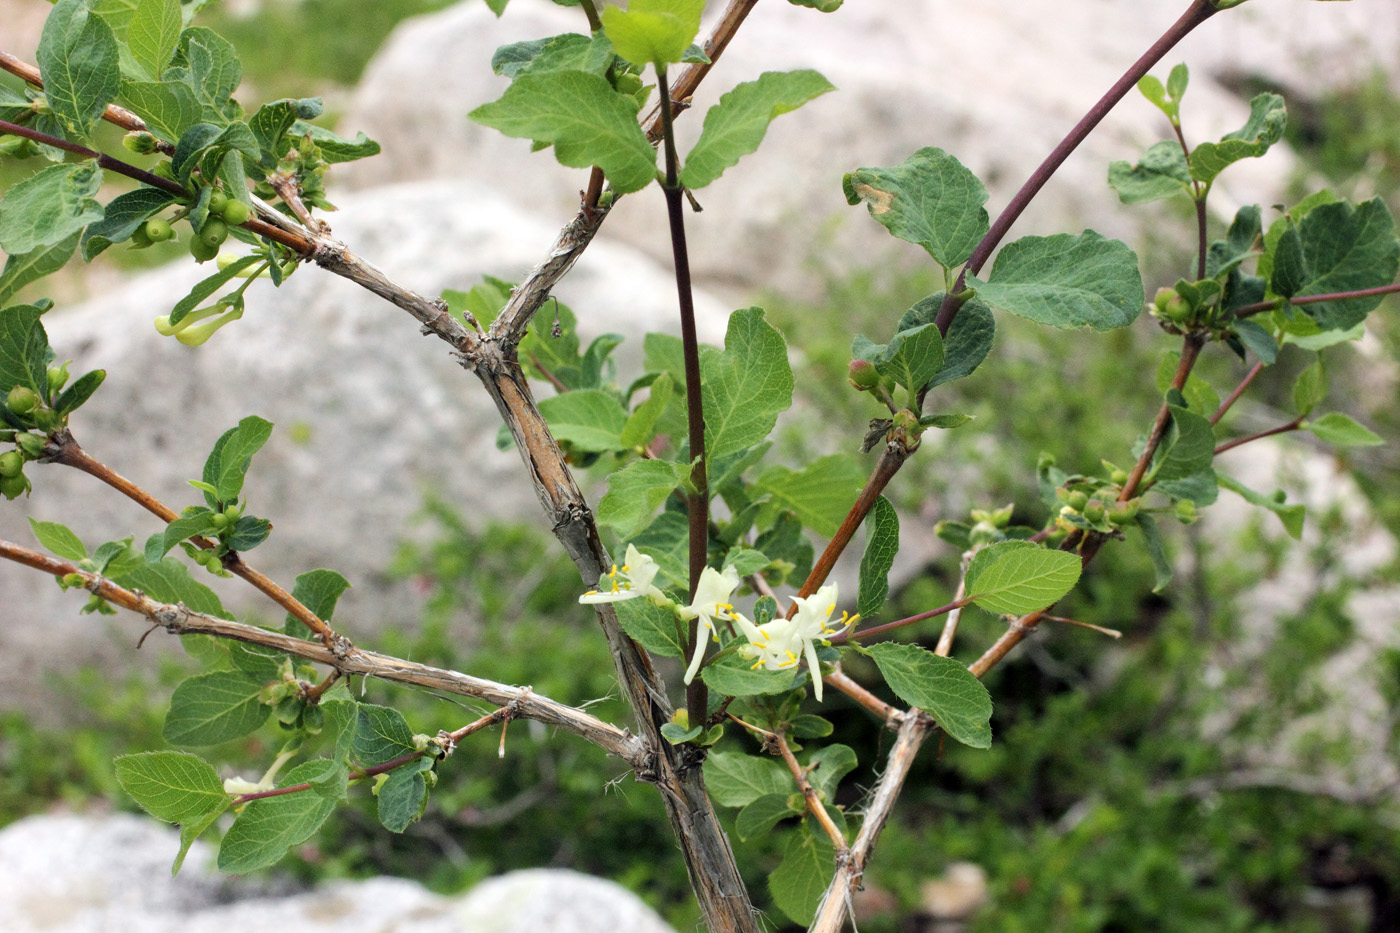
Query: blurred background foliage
[(1105, 803)]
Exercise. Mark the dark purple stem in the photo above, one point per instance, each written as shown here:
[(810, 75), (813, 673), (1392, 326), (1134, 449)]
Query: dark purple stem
[(1262, 306)]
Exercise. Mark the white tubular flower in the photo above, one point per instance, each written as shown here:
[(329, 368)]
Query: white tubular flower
[(630, 582), (238, 787), (776, 645), (711, 599)]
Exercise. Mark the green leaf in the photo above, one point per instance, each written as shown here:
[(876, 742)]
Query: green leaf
[(59, 539), (1066, 281), (1341, 431), (1267, 118), (181, 529), (1157, 550), (587, 121), (153, 34), (1310, 388), (24, 349), (319, 591), (270, 125), (667, 540), (745, 560), (759, 817), (568, 52), (798, 883), (746, 387), (336, 149), (227, 464), (1151, 88), (911, 359), (636, 490), (1188, 447), (49, 206), (208, 709), (828, 766), (735, 676), (248, 532), (22, 269), (881, 545), (211, 285), (968, 341), (1258, 341), (1337, 248), (176, 787), (269, 826), (381, 734), (1161, 173), (1201, 487), (589, 419), (941, 687), (655, 32), (169, 581), (1200, 397), (651, 626), (191, 830), (929, 199), (82, 389), (736, 779), (820, 495), (737, 124), (1177, 81), (1021, 580), (1291, 516), (641, 424), (402, 796), (123, 215), (208, 64), (169, 109), (80, 64)]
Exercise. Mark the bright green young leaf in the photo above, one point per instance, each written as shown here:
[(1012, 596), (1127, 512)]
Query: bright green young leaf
[(590, 419), (1066, 281), (636, 490), (211, 285), (1267, 118), (80, 64), (641, 424), (169, 581), (736, 779), (268, 827), (49, 206), (191, 830), (79, 391), (1290, 515), (758, 818), (667, 540), (211, 708), (1337, 248), (798, 883), (588, 122), (736, 125), (1023, 579), (827, 766), (403, 795), (941, 687), (929, 199), (653, 32), (381, 734), (734, 676), (169, 109), (1150, 86), (59, 539), (968, 341), (745, 387), (1341, 431), (1177, 80), (745, 560), (317, 590), (650, 626), (820, 494), (153, 33), (881, 545), (123, 215), (176, 787), (22, 269), (1161, 173), (227, 464), (1310, 388)]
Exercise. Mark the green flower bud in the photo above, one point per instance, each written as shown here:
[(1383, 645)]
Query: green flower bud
[(1094, 510), (57, 378), (1077, 500), (235, 212), (74, 579), (1163, 296), (1119, 477), (140, 142), (220, 521), (1177, 310), (11, 464), (1186, 511), (862, 375), (233, 512), (22, 400)]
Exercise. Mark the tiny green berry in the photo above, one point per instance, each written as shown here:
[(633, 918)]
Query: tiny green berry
[(22, 400), (233, 512), (57, 378), (213, 233), (11, 464), (217, 201), (236, 212), (158, 230), (1077, 500), (201, 251), (1094, 510), (219, 520), (12, 487)]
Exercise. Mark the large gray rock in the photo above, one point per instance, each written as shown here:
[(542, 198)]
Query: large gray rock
[(81, 874), (370, 415), (997, 85)]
